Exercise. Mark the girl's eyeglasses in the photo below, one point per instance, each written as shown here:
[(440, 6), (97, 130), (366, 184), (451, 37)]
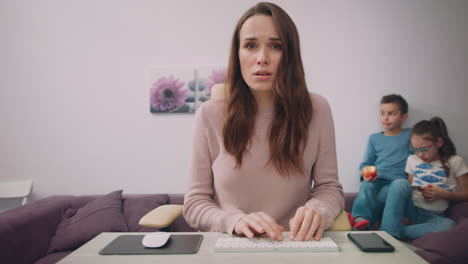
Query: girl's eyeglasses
[(421, 150)]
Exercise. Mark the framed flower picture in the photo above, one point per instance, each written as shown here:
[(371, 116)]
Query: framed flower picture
[(182, 90), (170, 92), (208, 77)]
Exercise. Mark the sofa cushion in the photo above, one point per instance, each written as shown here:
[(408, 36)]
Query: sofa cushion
[(445, 247), (458, 211), (104, 214)]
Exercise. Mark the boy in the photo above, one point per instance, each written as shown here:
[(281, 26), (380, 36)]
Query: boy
[(387, 151)]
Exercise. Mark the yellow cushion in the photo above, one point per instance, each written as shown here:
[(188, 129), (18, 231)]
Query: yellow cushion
[(162, 216), (341, 223)]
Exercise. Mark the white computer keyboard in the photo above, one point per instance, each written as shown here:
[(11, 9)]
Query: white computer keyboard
[(263, 244)]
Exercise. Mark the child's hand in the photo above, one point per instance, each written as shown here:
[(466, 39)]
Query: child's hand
[(432, 192), (370, 179), (369, 173)]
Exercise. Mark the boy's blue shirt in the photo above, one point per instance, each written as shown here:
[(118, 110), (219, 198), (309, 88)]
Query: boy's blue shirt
[(388, 154)]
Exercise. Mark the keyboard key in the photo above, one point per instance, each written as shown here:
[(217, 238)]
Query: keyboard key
[(262, 244)]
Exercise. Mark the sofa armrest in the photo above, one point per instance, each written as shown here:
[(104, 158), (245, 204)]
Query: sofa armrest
[(161, 217), (341, 223), (26, 231)]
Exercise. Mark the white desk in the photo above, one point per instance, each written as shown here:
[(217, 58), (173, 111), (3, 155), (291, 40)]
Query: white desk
[(349, 253)]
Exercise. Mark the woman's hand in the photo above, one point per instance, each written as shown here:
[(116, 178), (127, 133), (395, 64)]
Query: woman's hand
[(432, 192), (307, 223), (259, 223)]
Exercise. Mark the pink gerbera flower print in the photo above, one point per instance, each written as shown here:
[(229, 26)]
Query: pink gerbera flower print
[(217, 76), (167, 94)]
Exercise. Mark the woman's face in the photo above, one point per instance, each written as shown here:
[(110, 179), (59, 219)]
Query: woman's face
[(260, 52)]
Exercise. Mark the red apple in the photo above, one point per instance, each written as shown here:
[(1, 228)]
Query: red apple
[(369, 173)]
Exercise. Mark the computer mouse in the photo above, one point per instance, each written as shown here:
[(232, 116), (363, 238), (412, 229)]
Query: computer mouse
[(155, 239)]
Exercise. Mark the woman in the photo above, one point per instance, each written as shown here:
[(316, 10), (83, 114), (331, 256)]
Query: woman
[(264, 158)]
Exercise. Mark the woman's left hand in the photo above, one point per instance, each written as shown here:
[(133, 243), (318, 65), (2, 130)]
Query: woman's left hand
[(432, 192), (307, 223)]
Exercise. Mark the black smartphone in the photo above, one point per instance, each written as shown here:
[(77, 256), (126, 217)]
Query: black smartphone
[(370, 242)]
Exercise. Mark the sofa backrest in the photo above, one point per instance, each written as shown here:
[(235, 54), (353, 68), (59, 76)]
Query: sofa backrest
[(135, 206), (349, 200), (179, 225), (26, 231)]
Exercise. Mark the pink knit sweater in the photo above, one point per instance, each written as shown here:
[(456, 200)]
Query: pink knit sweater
[(219, 194)]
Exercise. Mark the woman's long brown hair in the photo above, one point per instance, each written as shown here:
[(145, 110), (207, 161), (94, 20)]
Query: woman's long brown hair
[(288, 132), (432, 130)]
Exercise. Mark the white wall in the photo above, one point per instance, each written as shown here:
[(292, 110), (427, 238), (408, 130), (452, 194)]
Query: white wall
[(74, 81)]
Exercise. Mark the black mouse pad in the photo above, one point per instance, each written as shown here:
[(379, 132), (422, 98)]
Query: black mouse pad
[(131, 245)]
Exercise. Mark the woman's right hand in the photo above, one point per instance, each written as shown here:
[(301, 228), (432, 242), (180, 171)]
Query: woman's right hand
[(259, 223)]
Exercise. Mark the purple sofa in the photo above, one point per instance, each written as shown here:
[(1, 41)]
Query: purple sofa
[(46, 230)]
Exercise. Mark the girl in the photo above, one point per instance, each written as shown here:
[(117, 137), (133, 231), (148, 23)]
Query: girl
[(436, 174)]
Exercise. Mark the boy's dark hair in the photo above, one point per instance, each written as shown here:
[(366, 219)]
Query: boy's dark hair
[(396, 99)]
